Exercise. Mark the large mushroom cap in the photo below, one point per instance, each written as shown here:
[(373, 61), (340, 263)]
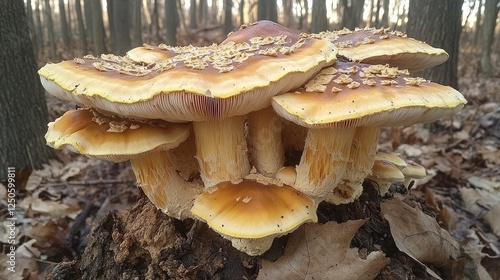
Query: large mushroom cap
[(381, 46), (254, 210), (351, 94), (193, 83), (89, 133)]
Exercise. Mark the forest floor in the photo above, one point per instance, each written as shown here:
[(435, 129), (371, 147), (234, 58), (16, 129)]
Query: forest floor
[(63, 208)]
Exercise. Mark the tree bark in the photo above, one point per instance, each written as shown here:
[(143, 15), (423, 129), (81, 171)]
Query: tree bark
[(110, 5), (352, 15), (64, 25), (23, 113), (81, 28), (155, 21), (385, 15), (192, 15), (50, 29), (98, 27), (171, 21), (488, 30), (136, 23), (39, 27), (267, 9), (319, 21), (228, 16), (439, 24), (31, 27), (121, 26), (87, 9), (288, 19), (477, 34)]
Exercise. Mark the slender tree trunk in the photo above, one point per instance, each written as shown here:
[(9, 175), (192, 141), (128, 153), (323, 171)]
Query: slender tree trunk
[(214, 13), (438, 23), (39, 27), (319, 21), (155, 21), (87, 9), (81, 27), (98, 27), (267, 9), (50, 29), (477, 34), (171, 21), (121, 26), (23, 113), (203, 12), (192, 15), (136, 23), (352, 13), (385, 16), (488, 30), (64, 25), (228, 16), (241, 10), (31, 26), (110, 5), (377, 14), (287, 13)]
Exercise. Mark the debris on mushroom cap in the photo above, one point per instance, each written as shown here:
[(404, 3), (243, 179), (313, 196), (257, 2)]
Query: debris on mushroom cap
[(254, 210), (375, 46), (90, 133), (384, 173), (399, 102), (193, 83)]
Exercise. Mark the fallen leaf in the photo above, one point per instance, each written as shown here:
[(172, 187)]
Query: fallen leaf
[(66, 208), (419, 235), (322, 251), (483, 204)]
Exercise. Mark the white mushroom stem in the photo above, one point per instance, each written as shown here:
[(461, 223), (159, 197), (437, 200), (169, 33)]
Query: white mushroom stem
[(264, 135), (324, 160), (221, 150), (165, 188), (362, 156)]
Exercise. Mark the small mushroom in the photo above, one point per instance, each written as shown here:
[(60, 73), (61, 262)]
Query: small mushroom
[(146, 144), (252, 213), (413, 170), (384, 173)]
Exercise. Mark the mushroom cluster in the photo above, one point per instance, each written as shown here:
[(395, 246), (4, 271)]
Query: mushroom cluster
[(207, 129)]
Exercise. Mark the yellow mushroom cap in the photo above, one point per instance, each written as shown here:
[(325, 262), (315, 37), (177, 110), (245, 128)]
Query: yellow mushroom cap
[(391, 157), (380, 46), (254, 210), (352, 94), (116, 139), (414, 170), (386, 171), (193, 83)]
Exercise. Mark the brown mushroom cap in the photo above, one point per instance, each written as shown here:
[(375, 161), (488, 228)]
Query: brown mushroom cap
[(193, 83), (117, 139), (254, 210), (391, 157), (351, 94), (381, 46)]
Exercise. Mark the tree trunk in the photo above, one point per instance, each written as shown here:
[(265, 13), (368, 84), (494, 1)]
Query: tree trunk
[(477, 34), (31, 26), (121, 26), (136, 23), (287, 13), (50, 29), (64, 25), (439, 24), (267, 9), (110, 5), (385, 16), (192, 15), (155, 21), (203, 12), (352, 15), (241, 10), (228, 16), (97, 27), (87, 9), (171, 21), (23, 113), (81, 28), (377, 15), (319, 21), (488, 29), (39, 27)]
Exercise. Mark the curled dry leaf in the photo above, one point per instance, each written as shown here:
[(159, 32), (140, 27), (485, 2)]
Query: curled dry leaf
[(419, 235), (322, 251)]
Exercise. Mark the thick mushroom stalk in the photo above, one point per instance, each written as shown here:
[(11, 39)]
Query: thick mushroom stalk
[(362, 156), (324, 160), (221, 150), (169, 192), (266, 148)]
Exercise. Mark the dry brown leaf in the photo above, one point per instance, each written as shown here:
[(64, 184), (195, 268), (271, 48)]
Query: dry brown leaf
[(316, 251), (419, 235), (483, 204), (66, 208)]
